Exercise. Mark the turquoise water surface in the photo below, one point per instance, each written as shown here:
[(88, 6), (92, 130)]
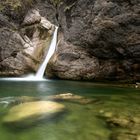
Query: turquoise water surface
[(81, 121)]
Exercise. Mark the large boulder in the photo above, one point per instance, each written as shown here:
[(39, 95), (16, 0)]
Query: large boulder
[(31, 112), (100, 40)]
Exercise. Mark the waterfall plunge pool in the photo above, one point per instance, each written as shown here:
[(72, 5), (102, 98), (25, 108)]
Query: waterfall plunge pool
[(80, 122)]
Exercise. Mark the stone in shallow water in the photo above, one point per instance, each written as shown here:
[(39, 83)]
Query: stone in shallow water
[(71, 98), (30, 112), (124, 127)]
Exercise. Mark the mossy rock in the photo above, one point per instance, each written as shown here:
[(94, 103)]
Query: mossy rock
[(71, 98), (31, 112)]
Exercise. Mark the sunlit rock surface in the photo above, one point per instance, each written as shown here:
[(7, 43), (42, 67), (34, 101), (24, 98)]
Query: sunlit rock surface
[(32, 17), (23, 46), (31, 112)]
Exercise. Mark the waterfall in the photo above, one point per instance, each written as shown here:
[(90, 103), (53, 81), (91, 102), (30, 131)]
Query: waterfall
[(41, 70)]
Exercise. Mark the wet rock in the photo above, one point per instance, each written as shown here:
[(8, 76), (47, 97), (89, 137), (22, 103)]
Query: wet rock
[(31, 112), (68, 97), (71, 98), (65, 96), (70, 64)]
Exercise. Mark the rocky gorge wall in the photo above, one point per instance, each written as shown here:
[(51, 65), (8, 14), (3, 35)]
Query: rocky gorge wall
[(98, 39), (24, 36)]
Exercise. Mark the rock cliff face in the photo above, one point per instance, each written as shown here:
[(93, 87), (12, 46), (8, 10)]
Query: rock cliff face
[(101, 40), (98, 39), (23, 45)]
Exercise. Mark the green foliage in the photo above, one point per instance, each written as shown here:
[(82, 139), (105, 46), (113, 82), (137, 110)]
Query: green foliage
[(11, 3), (14, 4), (56, 2)]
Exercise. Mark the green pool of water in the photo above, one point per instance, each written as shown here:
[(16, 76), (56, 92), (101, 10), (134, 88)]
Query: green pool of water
[(80, 122)]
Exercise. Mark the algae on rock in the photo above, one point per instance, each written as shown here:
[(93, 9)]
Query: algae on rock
[(31, 112)]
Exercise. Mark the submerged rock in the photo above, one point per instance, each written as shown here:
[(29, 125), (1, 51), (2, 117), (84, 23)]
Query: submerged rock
[(71, 98), (65, 96), (68, 97), (124, 127), (31, 112)]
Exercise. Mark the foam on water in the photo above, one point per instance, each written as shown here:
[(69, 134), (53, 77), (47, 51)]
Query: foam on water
[(41, 70), (26, 78), (39, 75)]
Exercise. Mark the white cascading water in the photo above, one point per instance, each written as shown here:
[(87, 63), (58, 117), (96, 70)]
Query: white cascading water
[(41, 70)]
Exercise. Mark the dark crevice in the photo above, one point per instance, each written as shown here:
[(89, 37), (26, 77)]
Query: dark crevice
[(14, 54), (57, 15)]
